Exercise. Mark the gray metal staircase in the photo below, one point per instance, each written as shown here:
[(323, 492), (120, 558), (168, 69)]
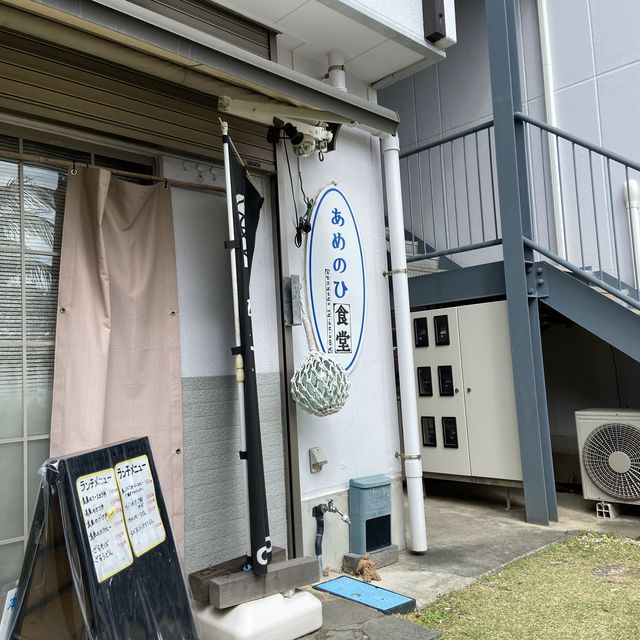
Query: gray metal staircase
[(592, 308), (580, 233)]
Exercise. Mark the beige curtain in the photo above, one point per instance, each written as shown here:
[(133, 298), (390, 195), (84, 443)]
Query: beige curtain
[(117, 360)]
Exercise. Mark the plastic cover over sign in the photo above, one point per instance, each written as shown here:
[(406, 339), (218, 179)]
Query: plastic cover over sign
[(101, 562)]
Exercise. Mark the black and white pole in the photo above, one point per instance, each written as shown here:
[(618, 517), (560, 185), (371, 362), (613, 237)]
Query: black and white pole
[(243, 208)]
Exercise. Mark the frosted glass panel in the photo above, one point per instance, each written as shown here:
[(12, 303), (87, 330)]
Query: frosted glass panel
[(9, 204), (44, 194), (39, 389), (10, 562), (11, 492), (10, 392), (10, 292), (41, 273), (37, 453)]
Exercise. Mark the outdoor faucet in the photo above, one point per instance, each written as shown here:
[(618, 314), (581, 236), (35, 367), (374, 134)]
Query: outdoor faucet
[(318, 513), (343, 516)]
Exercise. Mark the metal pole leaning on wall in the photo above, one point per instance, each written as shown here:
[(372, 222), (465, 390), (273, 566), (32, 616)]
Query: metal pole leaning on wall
[(408, 391), (522, 305), (238, 337)]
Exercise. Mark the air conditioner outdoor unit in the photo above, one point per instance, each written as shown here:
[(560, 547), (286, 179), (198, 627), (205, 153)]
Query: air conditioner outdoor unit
[(609, 446)]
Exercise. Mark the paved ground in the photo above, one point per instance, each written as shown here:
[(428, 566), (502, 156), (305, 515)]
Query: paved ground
[(470, 533), (345, 620)]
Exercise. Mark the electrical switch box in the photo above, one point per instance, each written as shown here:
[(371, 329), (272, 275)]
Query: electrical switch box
[(425, 384), (445, 380), (441, 324), (420, 333), (468, 420), (450, 433), (429, 438)]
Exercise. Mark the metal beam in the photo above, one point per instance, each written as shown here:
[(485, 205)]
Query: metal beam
[(526, 348), (461, 285), (597, 313), (451, 252)]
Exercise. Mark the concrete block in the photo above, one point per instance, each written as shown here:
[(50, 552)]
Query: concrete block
[(230, 590), (382, 558), (199, 580)]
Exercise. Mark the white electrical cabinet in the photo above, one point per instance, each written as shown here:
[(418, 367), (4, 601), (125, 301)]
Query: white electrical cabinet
[(466, 400)]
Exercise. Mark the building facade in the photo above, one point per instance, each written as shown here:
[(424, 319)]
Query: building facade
[(576, 67), (134, 87)]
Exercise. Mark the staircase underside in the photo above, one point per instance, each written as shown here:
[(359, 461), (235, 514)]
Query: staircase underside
[(563, 292)]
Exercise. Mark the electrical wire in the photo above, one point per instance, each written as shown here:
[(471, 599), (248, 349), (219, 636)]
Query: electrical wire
[(615, 369), (300, 223), (307, 201), (293, 191)]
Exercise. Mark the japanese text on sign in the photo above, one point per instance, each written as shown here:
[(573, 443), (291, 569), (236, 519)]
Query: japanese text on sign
[(336, 287), (141, 512), (103, 520), (336, 277)]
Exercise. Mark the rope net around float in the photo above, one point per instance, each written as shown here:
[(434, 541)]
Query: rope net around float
[(320, 385)]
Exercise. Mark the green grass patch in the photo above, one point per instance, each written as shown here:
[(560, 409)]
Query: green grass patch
[(586, 587)]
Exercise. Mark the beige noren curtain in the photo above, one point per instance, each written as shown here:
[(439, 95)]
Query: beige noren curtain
[(117, 359)]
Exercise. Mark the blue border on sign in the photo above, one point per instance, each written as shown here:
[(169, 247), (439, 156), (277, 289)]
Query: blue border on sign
[(364, 284)]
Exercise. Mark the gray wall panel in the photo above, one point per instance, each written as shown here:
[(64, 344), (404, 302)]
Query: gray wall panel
[(570, 29), (215, 529), (619, 95), (612, 381), (578, 105), (401, 99), (427, 90), (530, 47), (465, 92), (615, 32)]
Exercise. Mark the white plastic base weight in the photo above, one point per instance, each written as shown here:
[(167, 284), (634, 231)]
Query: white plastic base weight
[(271, 618)]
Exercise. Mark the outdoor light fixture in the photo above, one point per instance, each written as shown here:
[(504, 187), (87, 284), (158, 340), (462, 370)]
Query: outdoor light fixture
[(306, 137), (304, 142)]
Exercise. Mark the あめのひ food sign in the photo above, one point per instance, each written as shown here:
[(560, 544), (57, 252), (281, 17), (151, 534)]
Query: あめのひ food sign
[(336, 278)]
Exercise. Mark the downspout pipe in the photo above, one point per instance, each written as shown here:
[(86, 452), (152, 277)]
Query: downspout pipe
[(632, 202), (408, 390), (552, 141), (337, 77)]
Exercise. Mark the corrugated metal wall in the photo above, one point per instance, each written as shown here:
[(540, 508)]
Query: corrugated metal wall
[(217, 21), (56, 85)]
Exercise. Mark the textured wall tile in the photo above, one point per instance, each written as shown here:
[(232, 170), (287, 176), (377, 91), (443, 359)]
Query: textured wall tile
[(215, 528)]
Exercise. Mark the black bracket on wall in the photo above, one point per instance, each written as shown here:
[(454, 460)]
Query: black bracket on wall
[(291, 305), (433, 20)]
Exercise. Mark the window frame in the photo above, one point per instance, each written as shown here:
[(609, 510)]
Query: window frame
[(124, 153)]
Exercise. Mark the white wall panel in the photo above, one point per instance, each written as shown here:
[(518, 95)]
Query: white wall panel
[(407, 14), (361, 439)]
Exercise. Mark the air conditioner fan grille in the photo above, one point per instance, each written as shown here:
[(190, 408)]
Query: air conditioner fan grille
[(610, 444)]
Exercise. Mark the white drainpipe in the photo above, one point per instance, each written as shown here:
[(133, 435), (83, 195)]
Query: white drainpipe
[(337, 77), (408, 391), (632, 201), (550, 109)]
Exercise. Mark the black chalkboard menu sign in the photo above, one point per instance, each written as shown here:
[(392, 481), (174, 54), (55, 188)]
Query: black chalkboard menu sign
[(101, 562)]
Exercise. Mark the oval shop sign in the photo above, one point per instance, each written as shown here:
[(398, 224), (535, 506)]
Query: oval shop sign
[(336, 278)]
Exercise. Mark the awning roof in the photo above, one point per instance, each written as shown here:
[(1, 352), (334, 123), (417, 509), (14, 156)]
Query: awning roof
[(138, 38)]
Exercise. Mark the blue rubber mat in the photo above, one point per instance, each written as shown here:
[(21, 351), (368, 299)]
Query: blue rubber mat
[(368, 594)]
